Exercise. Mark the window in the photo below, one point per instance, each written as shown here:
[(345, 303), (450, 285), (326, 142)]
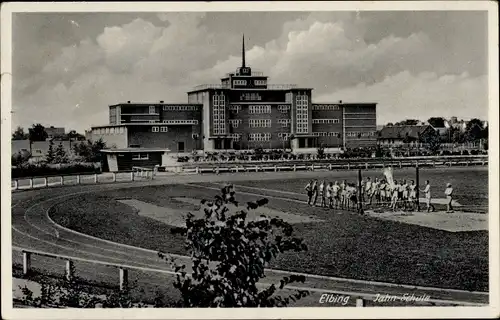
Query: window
[(163, 129), (235, 108), (219, 114), (152, 109), (152, 121), (284, 122), (250, 96), (326, 121), (154, 129), (259, 123), (236, 136), (326, 134), (259, 136), (107, 130), (180, 108), (256, 109), (112, 131), (283, 108), (284, 136), (192, 122), (140, 156), (38, 151), (235, 122), (260, 82), (239, 82), (329, 107), (122, 129), (302, 113)]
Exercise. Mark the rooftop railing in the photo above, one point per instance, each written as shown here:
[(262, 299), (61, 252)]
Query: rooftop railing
[(227, 86)]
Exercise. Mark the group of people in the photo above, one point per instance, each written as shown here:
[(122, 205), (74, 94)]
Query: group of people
[(397, 195)]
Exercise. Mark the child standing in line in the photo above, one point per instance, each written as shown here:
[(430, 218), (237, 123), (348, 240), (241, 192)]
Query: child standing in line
[(329, 195), (309, 191), (315, 192), (412, 197), (321, 191), (427, 192), (448, 193)]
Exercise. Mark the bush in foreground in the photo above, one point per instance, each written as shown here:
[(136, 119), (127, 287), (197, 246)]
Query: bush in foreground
[(229, 254)]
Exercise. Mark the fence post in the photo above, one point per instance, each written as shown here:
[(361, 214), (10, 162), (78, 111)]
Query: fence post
[(123, 279), (69, 269), (62, 181), (312, 167), (45, 182), (275, 168), (77, 179), (348, 166), (400, 164), (16, 184), (95, 178), (366, 165), (360, 302), (114, 177), (26, 262), (330, 167), (217, 170), (294, 167), (256, 168), (31, 183), (197, 170)]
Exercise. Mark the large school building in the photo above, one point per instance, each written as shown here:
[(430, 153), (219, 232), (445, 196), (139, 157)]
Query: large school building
[(242, 112)]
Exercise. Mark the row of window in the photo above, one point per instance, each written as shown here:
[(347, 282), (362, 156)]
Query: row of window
[(236, 136), (159, 129), (325, 121), (326, 134), (284, 136), (332, 107), (193, 122), (250, 96), (259, 136), (117, 130), (259, 82), (283, 108), (180, 108), (284, 122), (140, 156), (235, 108), (360, 134), (259, 123), (302, 113), (256, 109), (219, 114), (239, 82), (152, 110), (235, 122)]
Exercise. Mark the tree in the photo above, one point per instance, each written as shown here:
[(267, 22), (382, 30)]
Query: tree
[(60, 154), (407, 122), (37, 133), (20, 158), (474, 130), (229, 254), (90, 151), (19, 134), (51, 154), (436, 122), (390, 124), (432, 139)]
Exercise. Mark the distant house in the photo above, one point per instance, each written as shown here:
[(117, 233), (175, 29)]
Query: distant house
[(54, 132), (394, 136), (38, 149)]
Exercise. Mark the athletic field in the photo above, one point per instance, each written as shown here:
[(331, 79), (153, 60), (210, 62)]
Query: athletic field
[(342, 244)]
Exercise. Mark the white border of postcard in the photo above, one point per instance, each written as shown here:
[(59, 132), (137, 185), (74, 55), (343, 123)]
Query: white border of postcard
[(491, 311)]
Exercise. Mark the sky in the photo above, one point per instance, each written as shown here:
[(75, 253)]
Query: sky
[(68, 67)]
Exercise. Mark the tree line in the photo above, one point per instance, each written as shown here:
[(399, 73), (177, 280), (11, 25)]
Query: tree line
[(37, 132)]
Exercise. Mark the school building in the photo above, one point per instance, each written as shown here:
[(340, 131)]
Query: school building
[(241, 112)]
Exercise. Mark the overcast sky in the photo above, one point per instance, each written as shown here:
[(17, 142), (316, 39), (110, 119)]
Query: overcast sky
[(67, 68)]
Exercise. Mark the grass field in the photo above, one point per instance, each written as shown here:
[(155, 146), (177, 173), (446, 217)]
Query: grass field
[(344, 245)]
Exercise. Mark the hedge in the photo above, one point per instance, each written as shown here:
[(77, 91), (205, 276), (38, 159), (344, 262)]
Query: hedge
[(38, 170)]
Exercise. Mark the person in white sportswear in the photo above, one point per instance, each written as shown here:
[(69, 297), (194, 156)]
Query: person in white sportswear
[(329, 195), (427, 192), (449, 197)]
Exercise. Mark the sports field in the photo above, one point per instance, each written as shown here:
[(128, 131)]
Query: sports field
[(340, 244)]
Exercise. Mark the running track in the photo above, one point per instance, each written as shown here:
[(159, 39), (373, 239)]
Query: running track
[(33, 229)]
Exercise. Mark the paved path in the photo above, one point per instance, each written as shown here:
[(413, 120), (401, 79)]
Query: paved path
[(32, 228)]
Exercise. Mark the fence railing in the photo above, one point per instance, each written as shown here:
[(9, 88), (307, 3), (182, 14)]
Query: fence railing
[(136, 174), (361, 298)]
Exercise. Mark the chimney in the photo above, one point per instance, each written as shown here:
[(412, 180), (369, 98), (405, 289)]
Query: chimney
[(161, 101), (340, 101), (128, 101)]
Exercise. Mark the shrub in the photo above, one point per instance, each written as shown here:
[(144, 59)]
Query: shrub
[(229, 254), (34, 170)]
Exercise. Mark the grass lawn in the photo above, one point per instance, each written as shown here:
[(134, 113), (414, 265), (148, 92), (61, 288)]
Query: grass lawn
[(344, 245)]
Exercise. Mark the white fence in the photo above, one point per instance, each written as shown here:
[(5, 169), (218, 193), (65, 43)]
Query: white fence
[(361, 298)]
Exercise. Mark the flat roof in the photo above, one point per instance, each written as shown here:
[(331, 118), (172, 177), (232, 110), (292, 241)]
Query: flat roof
[(128, 150), (347, 104), (156, 103)]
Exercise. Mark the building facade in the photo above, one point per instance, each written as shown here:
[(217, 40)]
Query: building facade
[(242, 112)]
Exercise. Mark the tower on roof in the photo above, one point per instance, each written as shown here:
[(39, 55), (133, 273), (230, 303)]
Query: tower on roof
[(243, 52)]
